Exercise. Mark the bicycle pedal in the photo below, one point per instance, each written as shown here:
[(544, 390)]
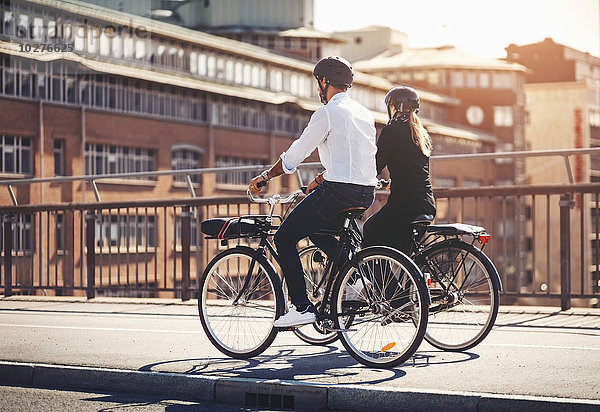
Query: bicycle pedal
[(287, 328)]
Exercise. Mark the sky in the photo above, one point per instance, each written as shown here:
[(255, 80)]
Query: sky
[(481, 27)]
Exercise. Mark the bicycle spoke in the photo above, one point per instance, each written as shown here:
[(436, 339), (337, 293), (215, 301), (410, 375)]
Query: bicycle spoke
[(390, 331), (466, 301), (243, 328)]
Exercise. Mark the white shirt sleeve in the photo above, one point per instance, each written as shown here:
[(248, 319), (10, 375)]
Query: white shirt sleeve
[(314, 134)]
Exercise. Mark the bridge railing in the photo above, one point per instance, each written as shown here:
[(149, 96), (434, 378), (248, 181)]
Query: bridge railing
[(545, 238), (545, 243)]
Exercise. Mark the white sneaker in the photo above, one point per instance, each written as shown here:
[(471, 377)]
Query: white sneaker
[(295, 318), (357, 290)]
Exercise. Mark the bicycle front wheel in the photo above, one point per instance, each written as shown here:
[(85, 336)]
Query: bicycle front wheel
[(464, 293), (239, 299), (387, 297), (314, 262)]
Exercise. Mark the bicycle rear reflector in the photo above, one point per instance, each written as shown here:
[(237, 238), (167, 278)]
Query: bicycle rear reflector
[(388, 346), (484, 238)]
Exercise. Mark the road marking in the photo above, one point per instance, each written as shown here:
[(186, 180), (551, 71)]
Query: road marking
[(120, 329), (106, 329), (514, 345)]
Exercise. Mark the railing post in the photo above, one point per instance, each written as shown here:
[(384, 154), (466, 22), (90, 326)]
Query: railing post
[(8, 246), (566, 203), (186, 218), (90, 240)]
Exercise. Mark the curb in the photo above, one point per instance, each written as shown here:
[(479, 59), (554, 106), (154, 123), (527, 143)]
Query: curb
[(276, 393)]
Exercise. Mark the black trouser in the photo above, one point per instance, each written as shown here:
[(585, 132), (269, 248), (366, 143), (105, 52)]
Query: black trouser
[(391, 226), (314, 212)]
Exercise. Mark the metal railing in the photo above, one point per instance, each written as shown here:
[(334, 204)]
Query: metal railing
[(92, 179), (545, 240)]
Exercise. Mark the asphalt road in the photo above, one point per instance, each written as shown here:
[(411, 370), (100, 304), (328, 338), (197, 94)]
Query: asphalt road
[(530, 351)]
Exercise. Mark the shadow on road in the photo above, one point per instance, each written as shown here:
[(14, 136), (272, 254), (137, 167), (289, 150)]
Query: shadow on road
[(327, 365), (124, 402)]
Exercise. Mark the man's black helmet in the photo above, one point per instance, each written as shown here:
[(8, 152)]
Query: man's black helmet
[(336, 69), (403, 98)]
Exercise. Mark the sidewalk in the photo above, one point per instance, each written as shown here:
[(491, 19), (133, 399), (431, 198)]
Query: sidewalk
[(270, 382)]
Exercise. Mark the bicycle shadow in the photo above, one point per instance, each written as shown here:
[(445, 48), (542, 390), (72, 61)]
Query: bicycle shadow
[(324, 364)]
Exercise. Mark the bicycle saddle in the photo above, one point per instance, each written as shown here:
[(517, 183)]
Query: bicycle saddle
[(354, 211), (422, 220)]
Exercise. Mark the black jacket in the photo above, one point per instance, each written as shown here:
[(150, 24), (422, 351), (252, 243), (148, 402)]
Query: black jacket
[(409, 170)]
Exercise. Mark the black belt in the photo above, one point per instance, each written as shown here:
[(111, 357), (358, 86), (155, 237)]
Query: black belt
[(354, 186)]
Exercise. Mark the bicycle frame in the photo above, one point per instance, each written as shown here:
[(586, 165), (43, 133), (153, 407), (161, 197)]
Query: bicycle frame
[(349, 238)]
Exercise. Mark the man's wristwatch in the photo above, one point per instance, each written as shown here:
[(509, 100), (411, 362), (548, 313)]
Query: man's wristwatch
[(265, 175)]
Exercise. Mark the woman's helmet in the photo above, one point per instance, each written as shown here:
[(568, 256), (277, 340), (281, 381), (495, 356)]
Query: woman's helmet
[(336, 70), (405, 99)]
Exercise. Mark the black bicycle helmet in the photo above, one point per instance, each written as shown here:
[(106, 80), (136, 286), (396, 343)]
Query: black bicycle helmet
[(336, 70), (405, 99)]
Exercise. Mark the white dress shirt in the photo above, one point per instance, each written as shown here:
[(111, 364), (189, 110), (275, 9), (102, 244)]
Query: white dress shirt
[(344, 132)]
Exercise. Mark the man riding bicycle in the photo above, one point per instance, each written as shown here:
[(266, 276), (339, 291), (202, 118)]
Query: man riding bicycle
[(343, 131)]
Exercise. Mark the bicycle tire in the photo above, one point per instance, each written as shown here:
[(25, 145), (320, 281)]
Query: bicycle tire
[(460, 317), (314, 269), (389, 330), (243, 329)]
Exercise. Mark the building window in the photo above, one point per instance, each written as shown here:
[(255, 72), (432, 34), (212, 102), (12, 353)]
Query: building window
[(59, 157), (15, 155), (60, 231), (195, 233), (238, 178), (276, 80), (444, 182), (484, 80), (471, 79), (111, 159), (433, 78), (502, 80), (212, 66), (471, 183), (186, 157), (22, 233), (503, 116), (458, 79), (124, 231)]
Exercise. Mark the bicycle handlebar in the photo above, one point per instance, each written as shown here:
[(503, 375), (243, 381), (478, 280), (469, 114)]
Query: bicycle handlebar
[(274, 199)]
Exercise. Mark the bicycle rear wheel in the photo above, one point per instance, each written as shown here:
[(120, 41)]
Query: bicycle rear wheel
[(464, 293), (314, 262), (389, 305), (237, 313)]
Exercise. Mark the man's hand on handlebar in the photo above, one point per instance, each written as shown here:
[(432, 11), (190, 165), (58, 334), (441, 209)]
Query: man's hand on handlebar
[(384, 184), (256, 184)]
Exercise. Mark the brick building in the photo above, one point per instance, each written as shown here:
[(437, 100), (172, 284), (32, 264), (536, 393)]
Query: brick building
[(86, 90), (563, 112)]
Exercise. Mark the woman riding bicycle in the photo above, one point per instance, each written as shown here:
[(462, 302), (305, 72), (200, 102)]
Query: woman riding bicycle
[(404, 147), (344, 133)]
